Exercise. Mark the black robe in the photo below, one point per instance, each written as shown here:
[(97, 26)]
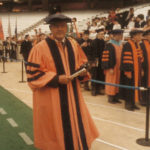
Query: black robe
[(26, 46), (125, 20), (13, 53), (97, 51), (87, 50)]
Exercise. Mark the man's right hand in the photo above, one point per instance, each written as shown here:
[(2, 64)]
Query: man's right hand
[(63, 79), (84, 44), (128, 75), (111, 71)]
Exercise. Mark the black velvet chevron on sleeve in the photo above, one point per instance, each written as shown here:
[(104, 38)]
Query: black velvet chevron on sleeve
[(108, 59), (127, 63), (53, 83)]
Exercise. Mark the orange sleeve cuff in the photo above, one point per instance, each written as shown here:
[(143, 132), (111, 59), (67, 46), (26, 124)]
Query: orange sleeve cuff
[(128, 73)]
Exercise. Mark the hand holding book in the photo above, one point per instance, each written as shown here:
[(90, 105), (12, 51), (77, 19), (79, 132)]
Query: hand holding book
[(81, 72)]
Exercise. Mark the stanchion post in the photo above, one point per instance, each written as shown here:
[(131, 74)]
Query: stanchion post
[(22, 72), (146, 141), (3, 59)]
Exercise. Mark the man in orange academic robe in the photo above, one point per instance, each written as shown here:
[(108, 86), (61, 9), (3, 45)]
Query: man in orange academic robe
[(61, 118), (131, 69)]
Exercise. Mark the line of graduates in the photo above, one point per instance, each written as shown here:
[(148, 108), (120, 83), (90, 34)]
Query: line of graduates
[(126, 63), (93, 50), (8, 48)]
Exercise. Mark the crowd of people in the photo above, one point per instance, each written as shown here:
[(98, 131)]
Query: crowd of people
[(117, 57), (116, 20), (110, 53), (119, 62), (12, 46), (8, 48)]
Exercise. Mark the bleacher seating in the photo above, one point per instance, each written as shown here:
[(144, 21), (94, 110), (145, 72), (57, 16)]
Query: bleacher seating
[(27, 21), (24, 21)]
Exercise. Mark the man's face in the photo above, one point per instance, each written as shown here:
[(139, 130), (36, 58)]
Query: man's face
[(8, 39), (132, 10), (138, 37), (42, 37), (28, 38), (118, 37), (100, 35), (138, 19), (85, 37), (59, 30)]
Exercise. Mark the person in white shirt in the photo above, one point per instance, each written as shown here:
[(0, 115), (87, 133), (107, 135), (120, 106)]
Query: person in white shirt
[(93, 29), (116, 25), (131, 24)]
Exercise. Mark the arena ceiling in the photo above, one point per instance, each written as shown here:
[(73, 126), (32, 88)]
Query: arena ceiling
[(34, 1), (10, 5)]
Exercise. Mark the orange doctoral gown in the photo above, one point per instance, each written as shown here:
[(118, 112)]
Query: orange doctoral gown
[(111, 60), (61, 118), (115, 76)]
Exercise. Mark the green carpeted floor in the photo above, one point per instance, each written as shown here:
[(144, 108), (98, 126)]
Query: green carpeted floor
[(22, 115)]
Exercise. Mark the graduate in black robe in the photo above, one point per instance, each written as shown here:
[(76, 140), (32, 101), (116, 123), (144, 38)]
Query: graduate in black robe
[(26, 46), (13, 53), (98, 46), (85, 44)]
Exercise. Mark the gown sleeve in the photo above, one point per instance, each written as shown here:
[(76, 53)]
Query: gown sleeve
[(127, 58), (38, 75), (108, 57)]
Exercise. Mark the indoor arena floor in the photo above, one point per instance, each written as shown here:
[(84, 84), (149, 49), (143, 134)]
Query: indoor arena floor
[(119, 129)]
